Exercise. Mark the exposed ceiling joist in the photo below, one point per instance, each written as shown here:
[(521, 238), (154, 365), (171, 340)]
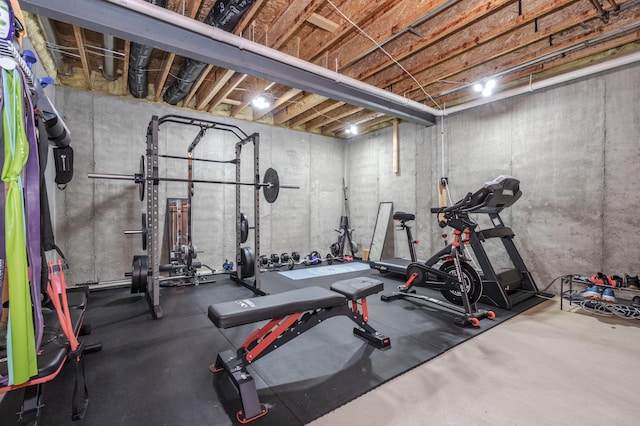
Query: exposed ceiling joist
[(169, 32)]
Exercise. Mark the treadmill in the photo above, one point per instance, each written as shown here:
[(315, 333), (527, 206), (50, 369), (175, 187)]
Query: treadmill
[(399, 265), (503, 288)]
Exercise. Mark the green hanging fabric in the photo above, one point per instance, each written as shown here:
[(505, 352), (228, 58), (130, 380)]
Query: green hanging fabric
[(21, 347)]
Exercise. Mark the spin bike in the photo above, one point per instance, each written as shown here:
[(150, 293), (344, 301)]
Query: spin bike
[(456, 278)]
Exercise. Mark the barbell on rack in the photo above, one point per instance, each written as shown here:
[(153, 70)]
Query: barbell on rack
[(270, 184), (143, 231)]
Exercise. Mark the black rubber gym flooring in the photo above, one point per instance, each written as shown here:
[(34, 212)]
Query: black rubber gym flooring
[(156, 372)]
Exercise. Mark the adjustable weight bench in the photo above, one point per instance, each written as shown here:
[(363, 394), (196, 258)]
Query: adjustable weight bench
[(291, 313)]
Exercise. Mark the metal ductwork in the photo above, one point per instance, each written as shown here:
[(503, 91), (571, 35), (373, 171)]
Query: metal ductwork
[(139, 58), (225, 14), (52, 44), (109, 71)]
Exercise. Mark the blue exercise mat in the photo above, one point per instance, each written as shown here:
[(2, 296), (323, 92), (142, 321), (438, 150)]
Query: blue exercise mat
[(323, 271)]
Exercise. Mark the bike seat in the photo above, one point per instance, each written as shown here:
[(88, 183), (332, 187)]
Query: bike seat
[(402, 216)]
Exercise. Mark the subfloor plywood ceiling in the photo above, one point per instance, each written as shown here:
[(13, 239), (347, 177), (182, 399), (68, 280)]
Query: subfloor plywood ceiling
[(432, 52)]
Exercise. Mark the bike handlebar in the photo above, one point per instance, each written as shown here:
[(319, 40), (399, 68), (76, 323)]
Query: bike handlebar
[(456, 206)]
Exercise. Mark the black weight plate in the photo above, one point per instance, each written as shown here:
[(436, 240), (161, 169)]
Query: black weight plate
[(135, 274), (295, 256), (290, 264), (264, 260), (335, 249), (275, 258), (284, 257), (271, 191), (244, 227), (140, 274), (144, 231), (247, 261), (142, 184), (330, 259)]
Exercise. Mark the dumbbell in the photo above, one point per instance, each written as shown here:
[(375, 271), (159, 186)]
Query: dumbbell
[(313, 258), (288, 260)]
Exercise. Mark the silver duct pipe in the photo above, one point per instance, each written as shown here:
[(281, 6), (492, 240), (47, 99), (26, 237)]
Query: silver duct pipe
[(50, 38), (109, 62)]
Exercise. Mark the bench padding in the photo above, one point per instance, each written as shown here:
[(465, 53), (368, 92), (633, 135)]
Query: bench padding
[(247, 311), (358, 288)]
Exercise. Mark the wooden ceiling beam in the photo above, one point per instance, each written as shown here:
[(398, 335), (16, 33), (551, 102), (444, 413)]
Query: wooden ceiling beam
[(323, 23), (247, 98), (383, 27), (163, 74), (306, 103), (79, 36), (314, 48), (354, 116), (436, 29), (125, 68), (504, 37), (562, 63), (277, 35), (521, 42), (201, 79), (286, 97), (232, 85), (212, 89), (293, 17), (304, 119), (345, 111), (364, 126)]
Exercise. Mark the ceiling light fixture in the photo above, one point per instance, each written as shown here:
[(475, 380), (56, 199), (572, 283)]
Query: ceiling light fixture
[(352, 130), (261, 102), (486, 88)]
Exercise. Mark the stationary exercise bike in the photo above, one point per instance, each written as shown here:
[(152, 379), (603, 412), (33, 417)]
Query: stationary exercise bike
[(455, 278)]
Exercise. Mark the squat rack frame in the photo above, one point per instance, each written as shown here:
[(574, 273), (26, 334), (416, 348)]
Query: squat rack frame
[(152, 206)]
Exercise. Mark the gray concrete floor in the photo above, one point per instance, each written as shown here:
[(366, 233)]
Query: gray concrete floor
[(543, 367)]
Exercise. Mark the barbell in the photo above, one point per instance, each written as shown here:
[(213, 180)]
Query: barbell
[(270, 184)]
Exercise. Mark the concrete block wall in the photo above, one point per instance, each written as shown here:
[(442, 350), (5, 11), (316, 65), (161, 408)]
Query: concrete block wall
[(109, 136), (574, 148)]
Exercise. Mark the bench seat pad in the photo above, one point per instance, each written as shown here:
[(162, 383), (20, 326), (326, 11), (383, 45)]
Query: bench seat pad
[(358, 288), (247, 311)]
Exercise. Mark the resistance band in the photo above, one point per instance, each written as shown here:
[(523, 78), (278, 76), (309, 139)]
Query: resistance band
[(21, 342)]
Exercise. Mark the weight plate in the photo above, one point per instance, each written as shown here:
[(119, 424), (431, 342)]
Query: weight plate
[(290, 264), (272, 187), (295, 256), (330, 259), (142, 184), (335, 249), (354, 247), (247, 262), (144, 231), (244, 227), (264, 260), (284, 257), (275, 258), (140, 274)]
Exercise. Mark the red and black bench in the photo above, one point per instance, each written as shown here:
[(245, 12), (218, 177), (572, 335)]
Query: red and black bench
[(290, 313)]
